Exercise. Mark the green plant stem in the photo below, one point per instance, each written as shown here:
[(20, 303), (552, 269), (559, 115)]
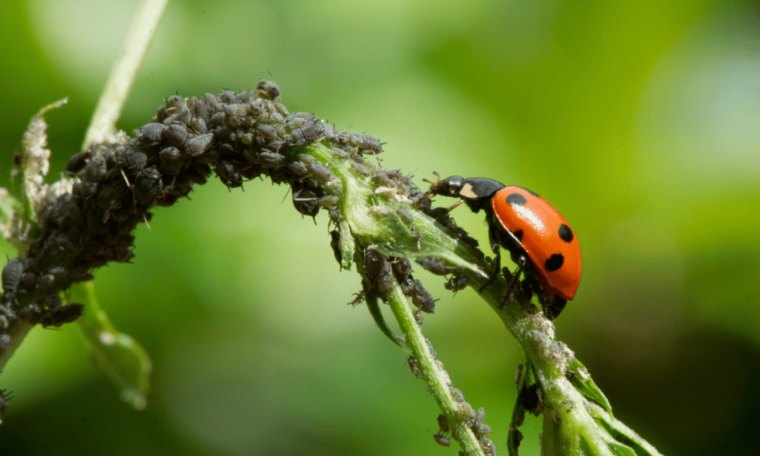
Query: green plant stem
[(577, 417), (123, 72), (570, 419), (17, 334), (432, 372)]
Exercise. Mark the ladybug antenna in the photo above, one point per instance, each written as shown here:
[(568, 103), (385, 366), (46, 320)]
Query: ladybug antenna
[(437, 178)]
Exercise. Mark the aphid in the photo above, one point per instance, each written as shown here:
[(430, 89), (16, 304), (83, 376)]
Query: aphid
[(319, 172), (229, 174), (366, 144), (335, 246), (299, 119), (436, 265), (136, 160), (421, 297), (153, 132), (77, 162), (477, 424), (269, 159), (402, 268), (236, 109), (530, 399), (148, 186), (95, 170), (11, 276), (267, 132), (198, 124), (328, 201), (177, 135), (228, 96), (180, 116), (281, 108), (441, 439), (246, 138), (217, 119), (306, 201), (297, 168), (268, 89), (456, 282), (378, 271), (414, 366), (199, 109), (62, 314), (212, 102), (174, 103), (307, 134), (47, 282), (170, 160), (111, 198), (199, 144)]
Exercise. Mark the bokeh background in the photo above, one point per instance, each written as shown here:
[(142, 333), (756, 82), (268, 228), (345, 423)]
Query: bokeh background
[(639, 120)]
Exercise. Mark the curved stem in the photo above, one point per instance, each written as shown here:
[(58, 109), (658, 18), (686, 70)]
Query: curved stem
[(123, 72), (16, 335), (432, 372)]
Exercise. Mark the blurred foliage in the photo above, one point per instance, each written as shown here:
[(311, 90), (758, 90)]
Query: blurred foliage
[(637, 119)]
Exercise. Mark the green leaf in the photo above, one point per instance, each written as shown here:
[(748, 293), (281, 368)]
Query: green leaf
[(124, 361), (582, 381)]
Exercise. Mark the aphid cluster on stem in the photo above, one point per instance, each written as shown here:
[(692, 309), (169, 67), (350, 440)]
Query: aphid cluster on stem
[(236, 135), (383, 273)]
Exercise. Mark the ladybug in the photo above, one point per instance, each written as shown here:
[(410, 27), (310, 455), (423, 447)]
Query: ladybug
[(538, 237)]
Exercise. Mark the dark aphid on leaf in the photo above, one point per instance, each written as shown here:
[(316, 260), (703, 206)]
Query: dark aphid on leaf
[(95, 170), (436, 265), (170, 161), (152, 132), (378, 271), (136, 160), (305, 200), (229, 174), (77, 162), (177, 136), (148, 186), (198, 145), (11, 276), (268, 89)]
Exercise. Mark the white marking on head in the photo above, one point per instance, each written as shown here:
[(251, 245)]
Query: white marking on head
[(468, 192)]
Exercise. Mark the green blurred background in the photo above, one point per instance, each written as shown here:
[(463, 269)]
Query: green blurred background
[(639, 120)]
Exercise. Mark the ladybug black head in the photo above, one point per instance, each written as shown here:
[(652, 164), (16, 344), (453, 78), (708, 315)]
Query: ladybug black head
[(451, 186), (475, 191)]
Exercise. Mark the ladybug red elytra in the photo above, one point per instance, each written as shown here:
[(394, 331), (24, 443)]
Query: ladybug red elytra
[(538, 237)]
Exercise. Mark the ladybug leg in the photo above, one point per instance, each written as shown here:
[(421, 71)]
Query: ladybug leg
[(514, 280), (454, 206), (494, 240)]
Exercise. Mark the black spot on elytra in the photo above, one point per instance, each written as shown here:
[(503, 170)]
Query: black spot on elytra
[(516, 199), (554, 262), (518, 235), (565, 233)]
